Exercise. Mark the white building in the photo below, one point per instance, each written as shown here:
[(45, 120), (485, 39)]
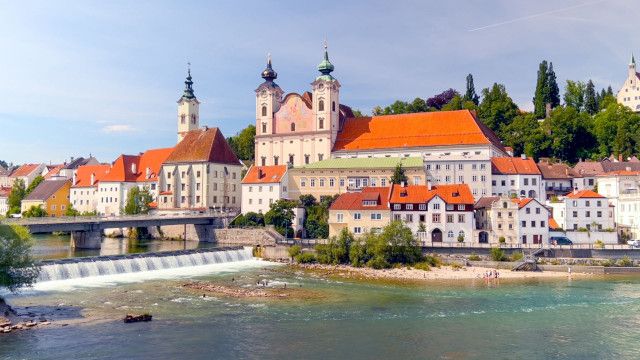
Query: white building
[(518, 221), (262, 186), (516, 177), (445, 212), (629, 94), (84, 187), (26, 173), (557, 178), (622, 188), (4, 197), (583, 210)]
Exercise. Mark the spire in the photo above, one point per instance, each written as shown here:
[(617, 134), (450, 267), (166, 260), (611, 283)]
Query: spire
[(325, 67), (188, 88), (633, 60), (269, 74)]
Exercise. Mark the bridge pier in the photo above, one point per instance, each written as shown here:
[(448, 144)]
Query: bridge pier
[(86, 239)]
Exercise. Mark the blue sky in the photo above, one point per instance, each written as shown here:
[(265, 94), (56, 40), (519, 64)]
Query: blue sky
[(103, 77)]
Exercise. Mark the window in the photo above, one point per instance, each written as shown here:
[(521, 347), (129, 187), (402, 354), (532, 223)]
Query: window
[(333, 106), (264, 110), (528, 210), (408, 218), (303, 182), (460, 218), (416, 180), (357, 230), (182, 117), (435, 218), (587, 203), (537, 210), (524, 223), (291, 159), (526, 181), (383, 182), (321, 181), (320, 105), (409, 207), (312, 182), (599, 214), (599, 203), (461, 234), (339, 217), (320, 156), (250, 201), (587, 213), (197, 186), (341, 182), (321, 123), (275, 160), (436, 206), (396, 206), (450, 234), (376, 216), (533, 224), (293, 126), (306, 159), (422, 207), (264, 161), (449, 218), (396, 217), (542, 224), (575, 214), (422, 218), (460, 207)]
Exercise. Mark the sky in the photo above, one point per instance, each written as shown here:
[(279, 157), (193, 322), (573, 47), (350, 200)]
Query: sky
[(103, 77)]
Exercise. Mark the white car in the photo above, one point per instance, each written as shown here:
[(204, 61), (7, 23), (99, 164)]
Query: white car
[(634, 243)]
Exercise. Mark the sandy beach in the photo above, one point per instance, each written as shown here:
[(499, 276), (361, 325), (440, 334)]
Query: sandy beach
[(441, 273)]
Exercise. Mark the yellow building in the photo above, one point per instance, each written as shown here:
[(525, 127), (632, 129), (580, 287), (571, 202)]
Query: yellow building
[(339, 176), (51, 195), (360, 212)]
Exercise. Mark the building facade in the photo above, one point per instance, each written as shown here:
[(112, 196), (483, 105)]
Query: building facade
[(629, 94), (516, 177), (583, 210), (360, 212), (51, 195), (84, 189), (262, 186), (516, 220)]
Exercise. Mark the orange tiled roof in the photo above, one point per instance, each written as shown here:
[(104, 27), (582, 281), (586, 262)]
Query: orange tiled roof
[(203, 145), (84, 172), (415, 194), (513, 166), (122, 169), (269, 174), (353, 200), (553, 224), (53, 171), (437, 128), (24, 170), (584, 194), (522, 202)]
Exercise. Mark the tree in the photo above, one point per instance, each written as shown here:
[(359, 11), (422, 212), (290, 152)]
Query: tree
[(34, 184), (497, 109), (4, 164), (590, 100), (280, 215), (553, 92), (35, 211), (16, 195), (71, 211), (17, 266), (243, 143), (358, 113), (542, 91), (336, 250), (307, 200), (525, 135), (574, 94), (403, 247), (138, 201), (570, 133), (399, 175), (440, 100), (470, 93)]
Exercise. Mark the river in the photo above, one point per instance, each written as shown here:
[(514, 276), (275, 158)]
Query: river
[(532, 319)]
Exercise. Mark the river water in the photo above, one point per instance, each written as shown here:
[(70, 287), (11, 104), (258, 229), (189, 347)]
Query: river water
[(533, 319)]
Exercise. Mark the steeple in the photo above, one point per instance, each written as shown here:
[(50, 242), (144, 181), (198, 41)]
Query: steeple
[(325, 67), (633, 61), (268, 74), (188, 88)]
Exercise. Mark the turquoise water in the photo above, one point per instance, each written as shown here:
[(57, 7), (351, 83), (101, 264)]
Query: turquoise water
[(533, 319)]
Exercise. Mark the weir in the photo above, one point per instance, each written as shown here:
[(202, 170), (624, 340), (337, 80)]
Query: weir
[(53, 270)]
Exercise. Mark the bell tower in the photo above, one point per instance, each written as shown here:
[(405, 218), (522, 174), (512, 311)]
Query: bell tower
[(188, 109), (326, 98), (268, 97)]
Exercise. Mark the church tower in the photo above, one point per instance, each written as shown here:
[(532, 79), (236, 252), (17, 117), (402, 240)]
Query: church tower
[(326, 99), (632, 66), (188, 109), (268, 97)]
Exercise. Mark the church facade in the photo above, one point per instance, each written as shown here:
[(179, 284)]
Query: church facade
[(629, 94)]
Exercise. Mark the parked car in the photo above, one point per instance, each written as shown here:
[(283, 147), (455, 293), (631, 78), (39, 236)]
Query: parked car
[(560, 240), (634, 243)]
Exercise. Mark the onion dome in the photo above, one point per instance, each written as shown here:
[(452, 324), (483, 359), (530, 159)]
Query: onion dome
[(325, 67), (188, 86), (269, 74)]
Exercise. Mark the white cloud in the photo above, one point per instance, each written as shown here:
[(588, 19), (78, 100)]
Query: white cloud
[(120, 128)]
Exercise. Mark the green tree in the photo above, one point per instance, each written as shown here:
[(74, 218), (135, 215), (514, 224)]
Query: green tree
[(399, 175), (138, 201), (570, 133), (497, 109), (470, 93), (590, 100), (358, 113), (574, 93), (34, 184), (243, 143), (403, 247), (542, 90), (16, 195), (17, 267), (71, 211), (280, 215), (307, 200), (35, 211), (526, 136), (553, 91), (336, 250)]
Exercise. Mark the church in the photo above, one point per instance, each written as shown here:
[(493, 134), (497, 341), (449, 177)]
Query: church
[(629, 94)]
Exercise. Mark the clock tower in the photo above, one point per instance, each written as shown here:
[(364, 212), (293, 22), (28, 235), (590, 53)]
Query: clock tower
[(188, 109)]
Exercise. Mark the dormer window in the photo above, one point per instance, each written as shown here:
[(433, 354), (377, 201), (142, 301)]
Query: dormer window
[(133, 168)]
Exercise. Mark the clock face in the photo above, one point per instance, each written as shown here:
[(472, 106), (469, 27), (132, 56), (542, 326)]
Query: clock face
[(263, 93), (321, 86)]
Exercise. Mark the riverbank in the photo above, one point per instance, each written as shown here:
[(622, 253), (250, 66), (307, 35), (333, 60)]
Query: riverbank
[(435, 273)]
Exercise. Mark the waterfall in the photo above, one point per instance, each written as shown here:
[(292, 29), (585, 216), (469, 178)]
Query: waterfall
[(54, 270)]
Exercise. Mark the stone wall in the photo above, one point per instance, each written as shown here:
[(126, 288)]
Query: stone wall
[(208, 233)]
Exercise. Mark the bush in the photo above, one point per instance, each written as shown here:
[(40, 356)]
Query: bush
[(358, 256), (460, 238), (456, 266), (624, 262), (517, 256), (497, 254), (599, 244), (305, 258), (502, 240), (474, 257), (378, 263), (423, 265), (294, 251), (433, 260)]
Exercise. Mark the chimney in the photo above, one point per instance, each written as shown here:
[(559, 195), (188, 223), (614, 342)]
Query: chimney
[(474, 113), (403, 184), (429, 185), (523, 156), (575, 191), (628, 168), (259, 173), (133, 168), (74, 178), (93, 178)]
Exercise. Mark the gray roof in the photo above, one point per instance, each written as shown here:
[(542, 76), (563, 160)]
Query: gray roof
[(75, 163), (46, 189), (486, 201)]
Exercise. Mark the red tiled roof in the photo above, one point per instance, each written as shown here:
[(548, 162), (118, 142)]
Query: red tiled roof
[(203, 145), (4, 191), (24, 170), (84, 172), (439, 128), (414, 194), (586, 168), (513, 166), (522, 202), (269, 174), (553, 224), (584, 194), (353, 200), (151, 160), (556, 171)]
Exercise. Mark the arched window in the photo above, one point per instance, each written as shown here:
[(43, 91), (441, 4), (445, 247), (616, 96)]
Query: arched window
[(182, 117), (333, 106), (193, 118), (293, 127), (321, 105), (461, 234), (264, 110), (450, 234)]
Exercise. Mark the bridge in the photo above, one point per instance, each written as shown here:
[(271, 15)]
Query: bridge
[(86, 232)]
